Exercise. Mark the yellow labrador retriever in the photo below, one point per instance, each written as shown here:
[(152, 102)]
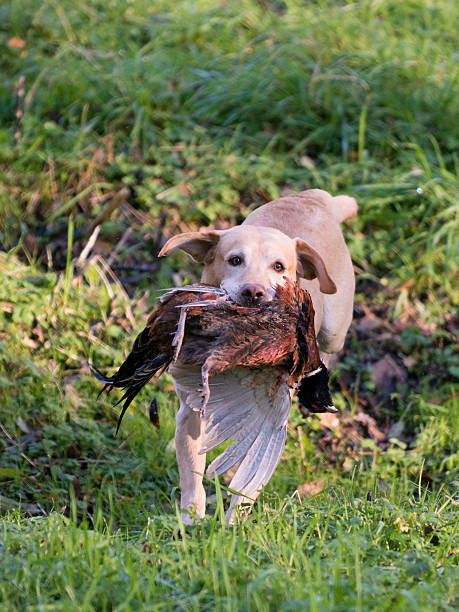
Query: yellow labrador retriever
[(297, 237)]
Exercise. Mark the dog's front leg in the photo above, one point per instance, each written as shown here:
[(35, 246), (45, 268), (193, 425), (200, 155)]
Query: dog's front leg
[(191, 465)]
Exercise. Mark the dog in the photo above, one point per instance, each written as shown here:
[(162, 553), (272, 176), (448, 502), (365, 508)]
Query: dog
[(296, 237)]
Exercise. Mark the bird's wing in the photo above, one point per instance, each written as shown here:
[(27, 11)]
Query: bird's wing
[(249, 406)]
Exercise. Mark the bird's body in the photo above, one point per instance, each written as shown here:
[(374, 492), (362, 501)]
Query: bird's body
[(254, 355), (223, 335), (200, 325)]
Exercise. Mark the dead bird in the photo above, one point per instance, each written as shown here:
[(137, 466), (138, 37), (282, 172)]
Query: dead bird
[(250, 360), (201, 325)]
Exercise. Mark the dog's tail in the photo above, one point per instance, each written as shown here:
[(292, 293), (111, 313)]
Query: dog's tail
[(343, 207)]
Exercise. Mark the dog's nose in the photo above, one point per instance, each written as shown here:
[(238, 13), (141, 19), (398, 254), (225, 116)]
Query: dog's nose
[(251, 295)]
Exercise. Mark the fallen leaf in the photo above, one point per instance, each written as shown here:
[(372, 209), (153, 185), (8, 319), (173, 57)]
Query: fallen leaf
[(408, 361), (348, 464), (6, 306), (370, 424), (308, 489), (184, 189), (26, 341), (329, 420), (368, 323), (307, 162), (401, 525), (16, 43), (386, 373)]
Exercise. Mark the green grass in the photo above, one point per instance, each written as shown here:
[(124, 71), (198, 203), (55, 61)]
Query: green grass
[(336, 553), (204, 110)]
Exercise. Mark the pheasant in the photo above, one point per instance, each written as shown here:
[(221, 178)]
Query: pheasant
[(251, 359), (221, 335)]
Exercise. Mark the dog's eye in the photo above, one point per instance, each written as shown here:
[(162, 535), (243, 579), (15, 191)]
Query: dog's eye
[(279, 267), (235, 261)]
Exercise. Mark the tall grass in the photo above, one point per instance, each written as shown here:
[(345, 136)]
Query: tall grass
[(208, 107)]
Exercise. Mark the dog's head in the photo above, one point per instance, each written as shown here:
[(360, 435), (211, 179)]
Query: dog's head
[(250, 261)]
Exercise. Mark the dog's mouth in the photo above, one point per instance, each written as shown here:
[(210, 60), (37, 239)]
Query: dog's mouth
[(248, 301), (251, 295)]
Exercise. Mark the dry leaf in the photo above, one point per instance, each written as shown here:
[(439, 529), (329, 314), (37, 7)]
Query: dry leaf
[(408, 361), (6, 306), (386, 373), (184, 189), (26, 341), (308, 489), (16, 43), (367, 421), (368, 323), (307, 162), (402, 525), (329, 420)]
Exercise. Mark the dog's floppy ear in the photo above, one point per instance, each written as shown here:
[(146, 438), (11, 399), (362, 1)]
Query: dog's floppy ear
[(197, 244), (311, 265)]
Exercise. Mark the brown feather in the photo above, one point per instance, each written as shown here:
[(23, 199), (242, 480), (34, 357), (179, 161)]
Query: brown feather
[(220, 335)]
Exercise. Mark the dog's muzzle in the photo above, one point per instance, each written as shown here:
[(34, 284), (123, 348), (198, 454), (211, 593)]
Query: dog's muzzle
[(252, 295)]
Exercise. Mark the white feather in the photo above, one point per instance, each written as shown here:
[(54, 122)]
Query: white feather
[(249, 406), (193, 288)]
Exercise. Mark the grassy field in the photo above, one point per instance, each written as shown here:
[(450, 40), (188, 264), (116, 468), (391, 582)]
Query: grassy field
[(144, 119)]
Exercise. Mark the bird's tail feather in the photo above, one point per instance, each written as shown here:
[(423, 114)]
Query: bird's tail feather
[(131, 381)]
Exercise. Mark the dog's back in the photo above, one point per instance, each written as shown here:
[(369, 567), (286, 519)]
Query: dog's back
[(310, 215), (314, 216)]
